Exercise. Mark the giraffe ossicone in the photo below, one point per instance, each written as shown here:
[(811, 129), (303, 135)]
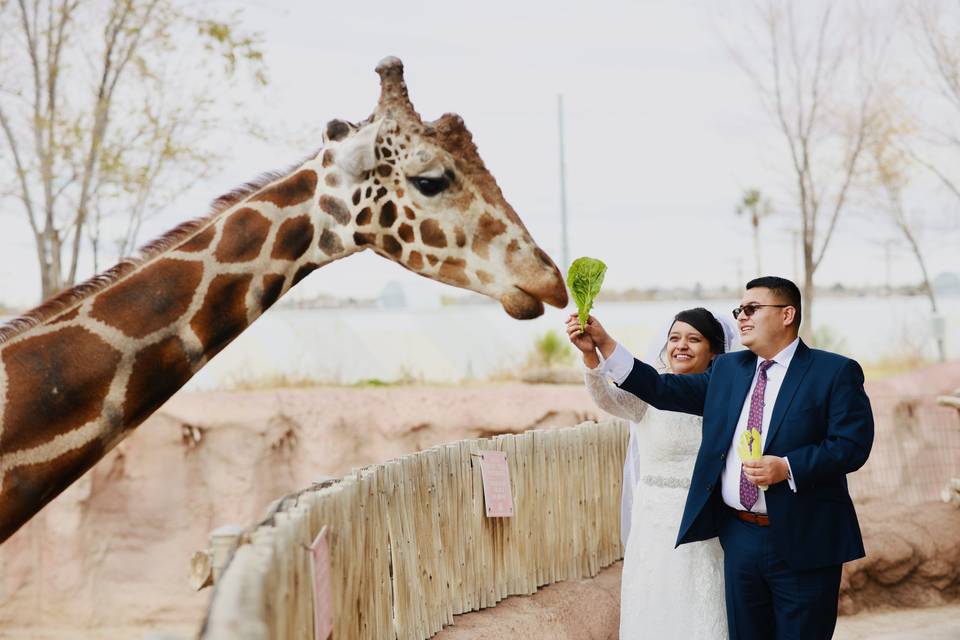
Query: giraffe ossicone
[(78, 373)]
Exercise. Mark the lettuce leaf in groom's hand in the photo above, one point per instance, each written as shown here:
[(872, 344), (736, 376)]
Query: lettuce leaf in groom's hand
[(584, 279), (749, 448)]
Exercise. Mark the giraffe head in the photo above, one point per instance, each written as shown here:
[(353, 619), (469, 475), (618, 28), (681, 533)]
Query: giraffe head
[(418, 193)]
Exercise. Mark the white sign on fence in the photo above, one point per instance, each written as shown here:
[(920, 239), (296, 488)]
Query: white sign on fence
[(495, 473), (322, 596)]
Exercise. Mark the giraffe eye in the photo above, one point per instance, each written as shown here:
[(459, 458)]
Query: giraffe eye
[(430, 186)]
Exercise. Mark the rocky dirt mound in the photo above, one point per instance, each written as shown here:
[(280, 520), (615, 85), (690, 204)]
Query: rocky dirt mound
[(913, 558)]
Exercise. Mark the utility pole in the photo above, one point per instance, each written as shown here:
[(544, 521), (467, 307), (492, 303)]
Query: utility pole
[(887, 261), (565, 249)]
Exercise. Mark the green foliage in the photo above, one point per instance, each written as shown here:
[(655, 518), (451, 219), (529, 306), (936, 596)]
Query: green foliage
[(584, 279), (234, 45), (551, 349), (110, 110)]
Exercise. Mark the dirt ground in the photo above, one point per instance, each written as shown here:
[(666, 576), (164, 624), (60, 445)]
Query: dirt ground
[(936, 623), (581, 609)]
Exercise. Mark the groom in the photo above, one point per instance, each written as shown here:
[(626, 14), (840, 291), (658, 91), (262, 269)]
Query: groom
[(783, 547)]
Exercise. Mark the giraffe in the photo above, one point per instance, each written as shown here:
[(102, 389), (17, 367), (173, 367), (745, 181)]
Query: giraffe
[(80, 372)]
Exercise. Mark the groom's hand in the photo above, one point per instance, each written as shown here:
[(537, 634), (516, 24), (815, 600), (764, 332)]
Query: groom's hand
[(766, 471)]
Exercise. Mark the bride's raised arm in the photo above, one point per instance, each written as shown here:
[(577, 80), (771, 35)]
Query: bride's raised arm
[(612, 398)]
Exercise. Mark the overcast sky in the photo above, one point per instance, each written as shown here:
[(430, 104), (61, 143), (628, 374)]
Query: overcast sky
[(663, 134)]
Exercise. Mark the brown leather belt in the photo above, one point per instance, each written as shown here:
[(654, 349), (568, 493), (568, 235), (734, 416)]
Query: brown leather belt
[(761, 519)]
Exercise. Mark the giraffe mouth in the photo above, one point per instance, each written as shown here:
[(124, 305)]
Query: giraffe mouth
[(521, 305)]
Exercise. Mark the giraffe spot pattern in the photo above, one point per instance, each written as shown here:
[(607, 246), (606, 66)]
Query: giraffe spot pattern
[(327, 159), (356, 197), (291, 191), (158, 372), (361, 239), (66, 317), (332, 180), (388, 214), (336, 207), (484, 277), (55, 382), (223, 314), (294, 237), (432, 235), (511, 257), (405, 232), (461, 237), (364, 217), (380, 193), (409, 213), (303, 272), (488, 228), (199, 241), (432, 259), (453, 270), (330, 243), (384, 170), (272, 286), (415, 261), (243, 235), (27, 489), (150, 299), (392, 247)]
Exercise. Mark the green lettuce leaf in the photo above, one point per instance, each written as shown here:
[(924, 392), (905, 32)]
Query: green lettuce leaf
[(584, 279)]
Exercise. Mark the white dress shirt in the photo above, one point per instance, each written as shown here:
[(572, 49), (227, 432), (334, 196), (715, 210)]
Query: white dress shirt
[(620, 363), (730, 479)]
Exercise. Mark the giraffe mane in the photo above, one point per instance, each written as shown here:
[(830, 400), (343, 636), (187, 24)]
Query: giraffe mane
[(72, 297)]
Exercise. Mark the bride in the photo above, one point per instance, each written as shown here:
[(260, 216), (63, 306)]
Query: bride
[(665, 592)]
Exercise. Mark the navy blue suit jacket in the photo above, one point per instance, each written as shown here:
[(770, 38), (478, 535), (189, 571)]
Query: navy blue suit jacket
[(821, 421)]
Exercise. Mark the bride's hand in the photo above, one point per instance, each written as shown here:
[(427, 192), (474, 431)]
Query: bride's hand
[(582, 341), (600, 337)]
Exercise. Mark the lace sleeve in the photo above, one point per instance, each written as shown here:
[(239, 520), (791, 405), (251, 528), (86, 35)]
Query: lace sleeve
[(612, 398)]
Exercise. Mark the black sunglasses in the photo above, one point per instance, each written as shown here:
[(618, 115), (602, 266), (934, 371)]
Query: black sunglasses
[(749, 309)]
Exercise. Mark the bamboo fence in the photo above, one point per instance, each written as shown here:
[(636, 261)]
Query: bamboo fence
[(411, 545)]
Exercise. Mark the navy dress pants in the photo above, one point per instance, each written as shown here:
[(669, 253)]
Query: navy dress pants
[(766, 600)]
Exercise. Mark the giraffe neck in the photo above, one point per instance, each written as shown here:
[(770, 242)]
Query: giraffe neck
[(78, 383)]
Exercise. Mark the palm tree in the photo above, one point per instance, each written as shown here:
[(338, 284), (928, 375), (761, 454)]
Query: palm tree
[(754, 203)]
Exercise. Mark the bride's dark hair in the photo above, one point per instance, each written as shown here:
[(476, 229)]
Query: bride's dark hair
[(704, 322)]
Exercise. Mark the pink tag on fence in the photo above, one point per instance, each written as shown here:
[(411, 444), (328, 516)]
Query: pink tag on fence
[(322, 595), (496, 484)]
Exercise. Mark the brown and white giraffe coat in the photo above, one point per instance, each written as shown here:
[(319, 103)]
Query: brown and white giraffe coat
[(79, 373)]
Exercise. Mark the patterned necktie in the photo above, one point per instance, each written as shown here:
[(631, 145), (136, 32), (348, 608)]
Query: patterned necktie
[(749, 492)]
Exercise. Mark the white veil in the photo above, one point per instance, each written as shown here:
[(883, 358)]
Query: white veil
[(731, 340)]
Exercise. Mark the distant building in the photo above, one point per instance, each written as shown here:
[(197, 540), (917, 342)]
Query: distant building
[(404, 295), (947, 284)]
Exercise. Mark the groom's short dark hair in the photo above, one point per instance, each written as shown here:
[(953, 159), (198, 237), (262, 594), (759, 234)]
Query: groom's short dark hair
[(783, 289)]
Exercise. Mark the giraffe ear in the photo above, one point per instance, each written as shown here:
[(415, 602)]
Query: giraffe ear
[(355, 155)]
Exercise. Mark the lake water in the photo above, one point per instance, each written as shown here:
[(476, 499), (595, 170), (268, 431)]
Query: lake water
[(450, 344)]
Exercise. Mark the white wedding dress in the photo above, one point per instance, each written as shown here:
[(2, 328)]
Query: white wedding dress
[(664, 592)]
